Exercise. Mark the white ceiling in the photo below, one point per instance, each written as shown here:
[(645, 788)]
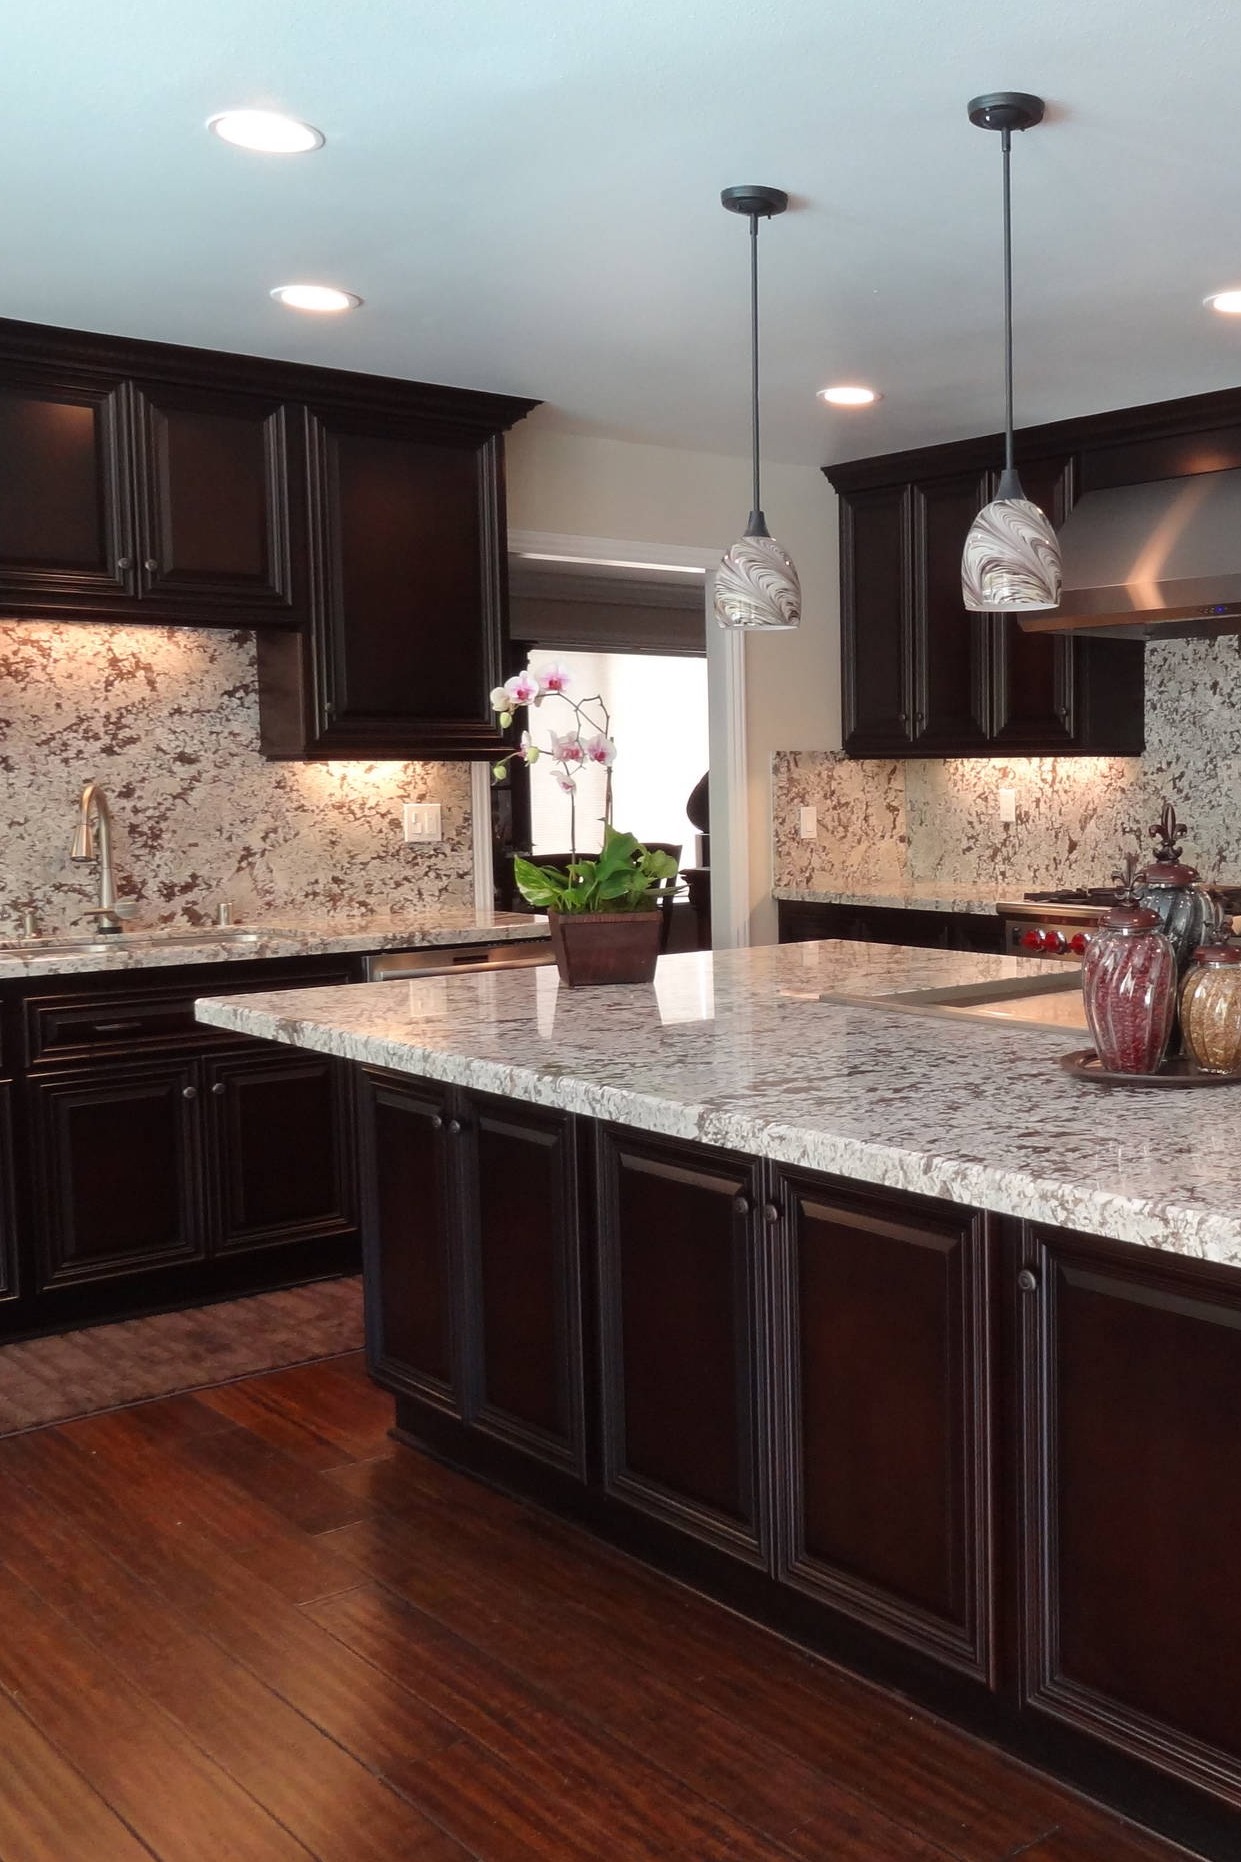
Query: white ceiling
[(525, 192)]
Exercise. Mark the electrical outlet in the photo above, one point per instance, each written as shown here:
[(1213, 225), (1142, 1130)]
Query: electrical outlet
[(808, 823), (423, 821), (1008, 806)]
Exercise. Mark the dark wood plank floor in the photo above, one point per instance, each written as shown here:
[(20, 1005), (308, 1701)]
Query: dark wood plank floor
[(244, 1625)]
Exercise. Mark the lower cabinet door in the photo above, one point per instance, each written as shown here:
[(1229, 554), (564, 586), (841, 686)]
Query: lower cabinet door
[(117, 1174), (1132, 1504), (888, 1510), (683, 1335), (523, 1279), (412, 1275), (280, 1149), (8, 1199)]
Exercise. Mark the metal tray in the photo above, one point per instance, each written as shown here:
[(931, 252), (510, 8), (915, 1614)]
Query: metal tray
[(1177, 1070)]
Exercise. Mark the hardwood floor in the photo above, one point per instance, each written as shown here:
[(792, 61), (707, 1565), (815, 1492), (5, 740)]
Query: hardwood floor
[(244, 1625)]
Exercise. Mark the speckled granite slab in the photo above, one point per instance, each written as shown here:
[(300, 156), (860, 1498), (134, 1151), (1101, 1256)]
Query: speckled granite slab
[(138, 950), (739, 1049), (908, 898)]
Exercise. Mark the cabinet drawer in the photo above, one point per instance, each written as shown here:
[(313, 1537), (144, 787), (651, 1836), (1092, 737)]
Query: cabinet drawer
[(68, 1027), (146, 1016)]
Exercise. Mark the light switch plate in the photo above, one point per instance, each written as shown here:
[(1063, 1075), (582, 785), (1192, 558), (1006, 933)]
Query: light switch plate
[(423, 821), (1008, 806), (808, 823)]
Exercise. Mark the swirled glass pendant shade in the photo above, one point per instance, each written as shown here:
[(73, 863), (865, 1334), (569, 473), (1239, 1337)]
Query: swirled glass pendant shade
[(1011, 560), (756, 586)]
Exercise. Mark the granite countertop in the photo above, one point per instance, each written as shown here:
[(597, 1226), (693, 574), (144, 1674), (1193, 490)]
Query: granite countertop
[(926, 898), (737, 1048), (292, 936)]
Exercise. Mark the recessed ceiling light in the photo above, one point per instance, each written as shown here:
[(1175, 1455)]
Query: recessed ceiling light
[(846, 395), (266, 131), (1227, 301), (320, 297)]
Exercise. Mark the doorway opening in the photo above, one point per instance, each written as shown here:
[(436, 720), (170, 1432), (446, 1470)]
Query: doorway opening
[(636, 639)]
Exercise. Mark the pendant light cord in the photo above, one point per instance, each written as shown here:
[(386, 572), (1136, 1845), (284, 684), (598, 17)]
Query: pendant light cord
[(756, 515), (1006, 144)]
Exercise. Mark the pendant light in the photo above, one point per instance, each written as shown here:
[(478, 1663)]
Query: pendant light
[(1011, 562), (756, 585)]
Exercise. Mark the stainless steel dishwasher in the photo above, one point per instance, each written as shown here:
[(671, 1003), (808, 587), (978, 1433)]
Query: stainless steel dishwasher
[(385, 966)]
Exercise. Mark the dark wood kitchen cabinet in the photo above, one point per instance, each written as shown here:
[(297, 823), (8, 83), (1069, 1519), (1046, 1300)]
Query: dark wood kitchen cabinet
[(355, 522), (408, 577), (889, 1498), (474, 1296), (165, 1162), (1131, 1389), (140, 499), (684, 1258), (118, 1171), (8, 1200), (923, 677)]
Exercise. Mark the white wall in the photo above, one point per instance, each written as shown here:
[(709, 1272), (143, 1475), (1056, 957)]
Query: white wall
[(568, 484)]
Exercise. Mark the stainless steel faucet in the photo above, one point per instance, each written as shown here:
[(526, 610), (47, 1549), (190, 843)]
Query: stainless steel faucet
[(93, 840)]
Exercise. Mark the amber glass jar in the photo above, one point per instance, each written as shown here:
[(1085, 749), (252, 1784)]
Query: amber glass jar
[(1211, 1009)]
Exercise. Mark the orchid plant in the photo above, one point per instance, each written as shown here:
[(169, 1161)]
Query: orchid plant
[(626, 876)]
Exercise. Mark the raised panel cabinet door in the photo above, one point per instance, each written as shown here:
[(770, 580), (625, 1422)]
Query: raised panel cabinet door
[(66, 532), (8, 1197), (876, 621), (117, 1179), (214, 487), (409, 585), (524, 1279), (684, 1341), (1035, 678), (412, 1253), (888, 1514), (949, 643), (1131, 1390), (280, 1158)]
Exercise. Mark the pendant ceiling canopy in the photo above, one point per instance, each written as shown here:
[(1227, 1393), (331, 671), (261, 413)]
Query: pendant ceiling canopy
[(1011, 561), (756, 585)]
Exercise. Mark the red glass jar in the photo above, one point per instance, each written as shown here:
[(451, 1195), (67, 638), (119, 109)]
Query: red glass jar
[(1129, 978)]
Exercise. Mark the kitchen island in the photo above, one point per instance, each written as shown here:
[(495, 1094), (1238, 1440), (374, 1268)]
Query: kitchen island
[(871, 1322)]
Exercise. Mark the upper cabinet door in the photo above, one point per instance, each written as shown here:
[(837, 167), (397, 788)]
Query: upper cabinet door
[(1034, 683), (213, 498), (949, 643), (407, 555), (66, 538), (875, 601)]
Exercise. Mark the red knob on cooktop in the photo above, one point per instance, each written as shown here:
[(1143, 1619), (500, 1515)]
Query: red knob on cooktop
[(1053, 941), (1032, 940), (1078, 943)]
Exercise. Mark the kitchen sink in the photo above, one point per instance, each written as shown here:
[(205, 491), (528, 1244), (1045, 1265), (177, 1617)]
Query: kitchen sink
[(56, 946), (1029, 1001)]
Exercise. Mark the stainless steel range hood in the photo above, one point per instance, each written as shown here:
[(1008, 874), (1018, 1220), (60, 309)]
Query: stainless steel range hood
[(1153, 561)]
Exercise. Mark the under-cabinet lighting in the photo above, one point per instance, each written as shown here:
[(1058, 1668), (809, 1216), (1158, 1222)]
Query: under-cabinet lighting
[(612, 562), (317, 297), (1229, 302), (265, 131)]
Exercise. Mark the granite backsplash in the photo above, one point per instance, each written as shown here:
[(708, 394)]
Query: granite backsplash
[(888, 827), (166, 718)]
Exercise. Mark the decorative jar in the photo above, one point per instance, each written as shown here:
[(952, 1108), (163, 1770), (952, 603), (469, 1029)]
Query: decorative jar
[(1211, 1008), (1129, 976), (1188, 912)]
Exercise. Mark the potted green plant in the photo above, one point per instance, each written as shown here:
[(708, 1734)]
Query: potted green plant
[(603, 909)]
